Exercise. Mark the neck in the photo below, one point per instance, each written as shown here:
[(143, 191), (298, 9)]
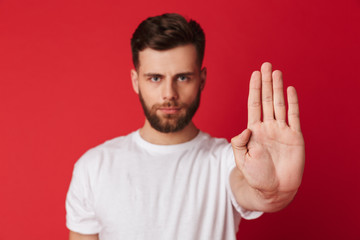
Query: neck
[(151, 135)]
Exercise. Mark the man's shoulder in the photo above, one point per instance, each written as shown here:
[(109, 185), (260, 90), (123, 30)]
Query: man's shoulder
[(215, 146), (216, 150), (118, 142), (212, 141), (107, 148)]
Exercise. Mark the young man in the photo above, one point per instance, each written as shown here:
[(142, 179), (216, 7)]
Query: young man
[(168, 180)]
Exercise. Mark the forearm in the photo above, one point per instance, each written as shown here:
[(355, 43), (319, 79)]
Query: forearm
[(78, 236), (256, 199)]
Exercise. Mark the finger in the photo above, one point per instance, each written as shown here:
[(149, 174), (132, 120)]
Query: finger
[(239, 145), (254, 100), (266, 93), (293, 112), (279, 102)]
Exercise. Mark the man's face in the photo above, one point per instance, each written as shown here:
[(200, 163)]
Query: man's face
[(169, 85)]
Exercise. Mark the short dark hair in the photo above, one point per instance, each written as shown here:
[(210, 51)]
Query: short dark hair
[(165, 32)]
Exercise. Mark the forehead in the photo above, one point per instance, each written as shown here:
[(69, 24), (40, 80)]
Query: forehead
[(178, 59)]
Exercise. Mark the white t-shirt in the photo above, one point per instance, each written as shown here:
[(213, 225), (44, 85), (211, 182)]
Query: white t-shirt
[(127, 188)]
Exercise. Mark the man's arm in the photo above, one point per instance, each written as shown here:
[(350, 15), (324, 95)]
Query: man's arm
[(270, 153), (78, 236)]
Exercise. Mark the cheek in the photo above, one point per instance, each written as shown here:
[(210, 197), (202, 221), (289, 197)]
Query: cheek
[(149, 95), (189, 94)]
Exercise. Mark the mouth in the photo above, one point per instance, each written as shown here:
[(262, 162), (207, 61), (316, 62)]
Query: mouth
[(169, 110)]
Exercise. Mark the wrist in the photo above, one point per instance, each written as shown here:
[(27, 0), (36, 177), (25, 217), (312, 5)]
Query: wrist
[(273, 201)]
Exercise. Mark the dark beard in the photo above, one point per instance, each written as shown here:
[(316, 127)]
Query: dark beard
[(173, 123)]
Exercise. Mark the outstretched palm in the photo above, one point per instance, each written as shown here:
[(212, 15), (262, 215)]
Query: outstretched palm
[(271, 153)]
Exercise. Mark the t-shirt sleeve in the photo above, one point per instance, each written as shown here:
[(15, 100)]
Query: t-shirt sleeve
[(80, 214), (244, 213)]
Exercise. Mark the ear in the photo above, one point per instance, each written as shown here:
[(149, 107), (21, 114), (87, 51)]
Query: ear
[(203, 74), (135, 80)]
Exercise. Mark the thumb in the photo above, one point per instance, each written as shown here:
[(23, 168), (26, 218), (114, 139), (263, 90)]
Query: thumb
[(239, 144)]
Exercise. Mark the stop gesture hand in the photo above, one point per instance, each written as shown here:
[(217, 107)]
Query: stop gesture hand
[(270, 153)]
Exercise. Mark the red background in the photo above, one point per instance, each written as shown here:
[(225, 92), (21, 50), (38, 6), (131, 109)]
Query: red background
[(65, 87)]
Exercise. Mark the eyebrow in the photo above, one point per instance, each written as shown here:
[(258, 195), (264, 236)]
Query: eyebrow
[(152, 75), (185, 73), (176, 75)]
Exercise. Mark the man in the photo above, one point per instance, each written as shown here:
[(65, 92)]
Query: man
[(168, 180)]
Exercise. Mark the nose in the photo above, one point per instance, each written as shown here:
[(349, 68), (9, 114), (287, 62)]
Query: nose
[(169, 91)]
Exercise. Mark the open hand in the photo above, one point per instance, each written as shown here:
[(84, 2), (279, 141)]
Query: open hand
[(270, 154)]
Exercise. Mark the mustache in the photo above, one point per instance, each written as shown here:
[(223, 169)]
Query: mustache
[(168, 104)]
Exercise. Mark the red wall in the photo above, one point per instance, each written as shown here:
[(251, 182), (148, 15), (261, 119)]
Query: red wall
[(65, 87)]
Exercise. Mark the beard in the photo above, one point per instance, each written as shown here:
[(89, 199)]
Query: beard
[(170, 122)]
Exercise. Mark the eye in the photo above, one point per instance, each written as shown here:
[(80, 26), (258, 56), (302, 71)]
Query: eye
[(155, 79), (182, 78)]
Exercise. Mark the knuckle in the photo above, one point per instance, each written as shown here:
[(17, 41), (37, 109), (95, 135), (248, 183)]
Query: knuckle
[(267, 99), (293, 114), (255, 104), (280, 104)]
